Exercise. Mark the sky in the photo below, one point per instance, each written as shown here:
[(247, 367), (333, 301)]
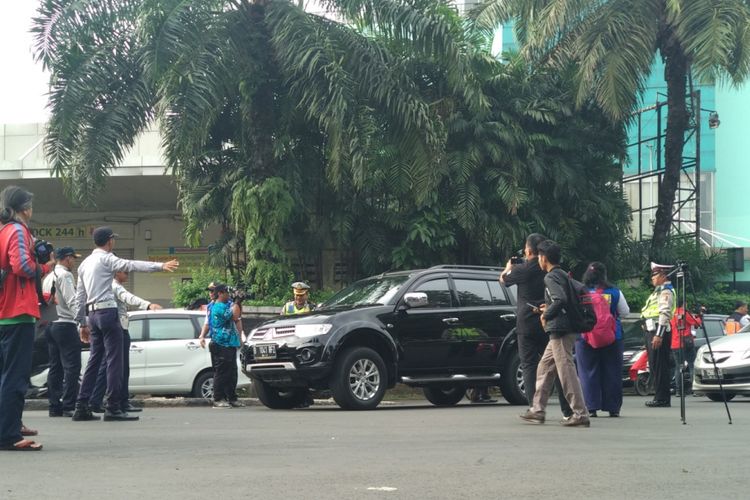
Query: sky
[(23, 84)]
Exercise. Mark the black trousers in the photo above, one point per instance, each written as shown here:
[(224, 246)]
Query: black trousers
[(660, 364), (106, 342), (64, 349), (97, 396), (225, 371), (531, 346)]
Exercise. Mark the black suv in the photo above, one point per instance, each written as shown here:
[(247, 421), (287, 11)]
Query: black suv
[(444, 329)]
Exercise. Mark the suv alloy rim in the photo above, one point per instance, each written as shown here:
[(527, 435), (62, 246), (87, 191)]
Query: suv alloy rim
[(364, 379)]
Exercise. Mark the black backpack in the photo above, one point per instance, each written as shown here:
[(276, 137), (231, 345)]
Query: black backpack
[(580, 310)]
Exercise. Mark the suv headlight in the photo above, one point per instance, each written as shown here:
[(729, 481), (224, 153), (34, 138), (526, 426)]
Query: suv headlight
[(305, 331)]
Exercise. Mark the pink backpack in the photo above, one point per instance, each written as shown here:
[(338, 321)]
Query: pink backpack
[(603, 333)]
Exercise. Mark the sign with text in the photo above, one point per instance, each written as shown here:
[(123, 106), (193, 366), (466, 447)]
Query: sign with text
[(189, 258), (62, 232)]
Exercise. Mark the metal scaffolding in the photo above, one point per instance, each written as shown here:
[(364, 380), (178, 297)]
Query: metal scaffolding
[(645, 178)]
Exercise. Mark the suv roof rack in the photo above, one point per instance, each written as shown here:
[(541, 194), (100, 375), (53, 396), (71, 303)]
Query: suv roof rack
[(459, 266)]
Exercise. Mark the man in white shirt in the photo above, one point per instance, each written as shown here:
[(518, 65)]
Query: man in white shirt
[(100, 323), (62, 339), (125, 300)]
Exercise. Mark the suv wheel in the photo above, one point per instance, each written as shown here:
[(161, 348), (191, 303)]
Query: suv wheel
[(716, 396), (359, 379), (278, 398), (444, 394), (203, 387), (511, 383)]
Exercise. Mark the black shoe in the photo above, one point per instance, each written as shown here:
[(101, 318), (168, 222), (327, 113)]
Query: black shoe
[(614, 414), (592, 414), (67, 413), (658, 404), (83, 413), (55, 413), (118, 416), (97, 409), (133, 409)]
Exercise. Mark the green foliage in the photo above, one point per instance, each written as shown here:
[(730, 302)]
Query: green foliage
[(706, 266), (612, 45), (187, 292), (269, 282), (717, 300)]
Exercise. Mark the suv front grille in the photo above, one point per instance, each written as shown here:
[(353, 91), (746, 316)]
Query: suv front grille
[(283, 331)]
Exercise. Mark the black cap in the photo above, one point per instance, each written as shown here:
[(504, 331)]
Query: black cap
[(220, 287), (63, 252), (103, 234)]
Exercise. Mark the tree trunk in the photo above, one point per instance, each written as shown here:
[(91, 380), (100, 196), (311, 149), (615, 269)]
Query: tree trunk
[(675, 73)]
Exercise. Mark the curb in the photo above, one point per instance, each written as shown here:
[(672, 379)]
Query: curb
[(43, 404)]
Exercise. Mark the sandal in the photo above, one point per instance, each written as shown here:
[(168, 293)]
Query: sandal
[(25, 431), (23, 445)]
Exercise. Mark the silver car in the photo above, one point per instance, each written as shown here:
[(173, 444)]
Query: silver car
[(732, 356)]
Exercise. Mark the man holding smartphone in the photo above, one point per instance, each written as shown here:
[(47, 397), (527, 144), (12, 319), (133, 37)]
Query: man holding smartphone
[(532, 340)]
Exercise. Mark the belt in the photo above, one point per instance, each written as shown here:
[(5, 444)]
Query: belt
[(107, 304)]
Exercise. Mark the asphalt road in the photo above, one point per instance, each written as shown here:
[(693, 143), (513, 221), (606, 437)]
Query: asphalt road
[(407, 450)]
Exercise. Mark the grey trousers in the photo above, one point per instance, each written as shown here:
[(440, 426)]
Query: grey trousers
[(557, 360)]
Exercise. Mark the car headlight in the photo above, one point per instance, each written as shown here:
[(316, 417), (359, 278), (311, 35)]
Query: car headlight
[(304, 331)]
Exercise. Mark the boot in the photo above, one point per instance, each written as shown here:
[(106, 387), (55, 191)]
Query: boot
[(83, 413)]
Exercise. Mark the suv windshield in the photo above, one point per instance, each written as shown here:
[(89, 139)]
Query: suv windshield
[(368, 291)]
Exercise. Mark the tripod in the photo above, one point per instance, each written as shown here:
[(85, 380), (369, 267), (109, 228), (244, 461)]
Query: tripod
[(682, 281)]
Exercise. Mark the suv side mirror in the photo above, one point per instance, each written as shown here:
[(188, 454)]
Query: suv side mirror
[(416, 299)]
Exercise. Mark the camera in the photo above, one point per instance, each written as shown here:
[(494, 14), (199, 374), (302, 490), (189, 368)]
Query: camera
[(43, 251), (517, 258), (237, 295)]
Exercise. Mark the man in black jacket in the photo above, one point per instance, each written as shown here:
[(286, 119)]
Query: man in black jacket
[(557, 359), (532, 340)]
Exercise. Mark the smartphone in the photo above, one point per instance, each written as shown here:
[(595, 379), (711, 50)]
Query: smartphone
[(532, 306)]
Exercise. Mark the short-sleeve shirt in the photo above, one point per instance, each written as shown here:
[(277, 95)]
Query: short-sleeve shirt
[(223, 331)]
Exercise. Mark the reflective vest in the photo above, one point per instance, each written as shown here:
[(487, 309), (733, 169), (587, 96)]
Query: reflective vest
[(291, 308), (651, 309)]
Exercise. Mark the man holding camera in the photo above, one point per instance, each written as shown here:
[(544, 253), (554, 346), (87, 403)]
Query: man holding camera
[(99, 322), (532, 340), (62, 339), (19, 310)]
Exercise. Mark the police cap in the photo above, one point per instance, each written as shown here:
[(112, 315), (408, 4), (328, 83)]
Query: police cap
[(300, 288)]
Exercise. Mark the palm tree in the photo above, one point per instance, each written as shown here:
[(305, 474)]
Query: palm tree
[(119, 65), (614, 42)]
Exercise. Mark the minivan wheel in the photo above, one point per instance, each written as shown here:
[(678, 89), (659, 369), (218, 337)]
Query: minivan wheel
[(716, 396), (359, 379), (444, 394), (203, 387), (279, 398), (511, 383)]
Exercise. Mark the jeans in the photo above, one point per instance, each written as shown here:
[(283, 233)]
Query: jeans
[(106, 342), (16, 347), (64, 349), (531, 346), (557, 361), (600, 373), (97, 395), (225, 372)]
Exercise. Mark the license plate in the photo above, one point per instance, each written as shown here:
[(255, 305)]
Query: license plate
[(264, 351), (711, 373)]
